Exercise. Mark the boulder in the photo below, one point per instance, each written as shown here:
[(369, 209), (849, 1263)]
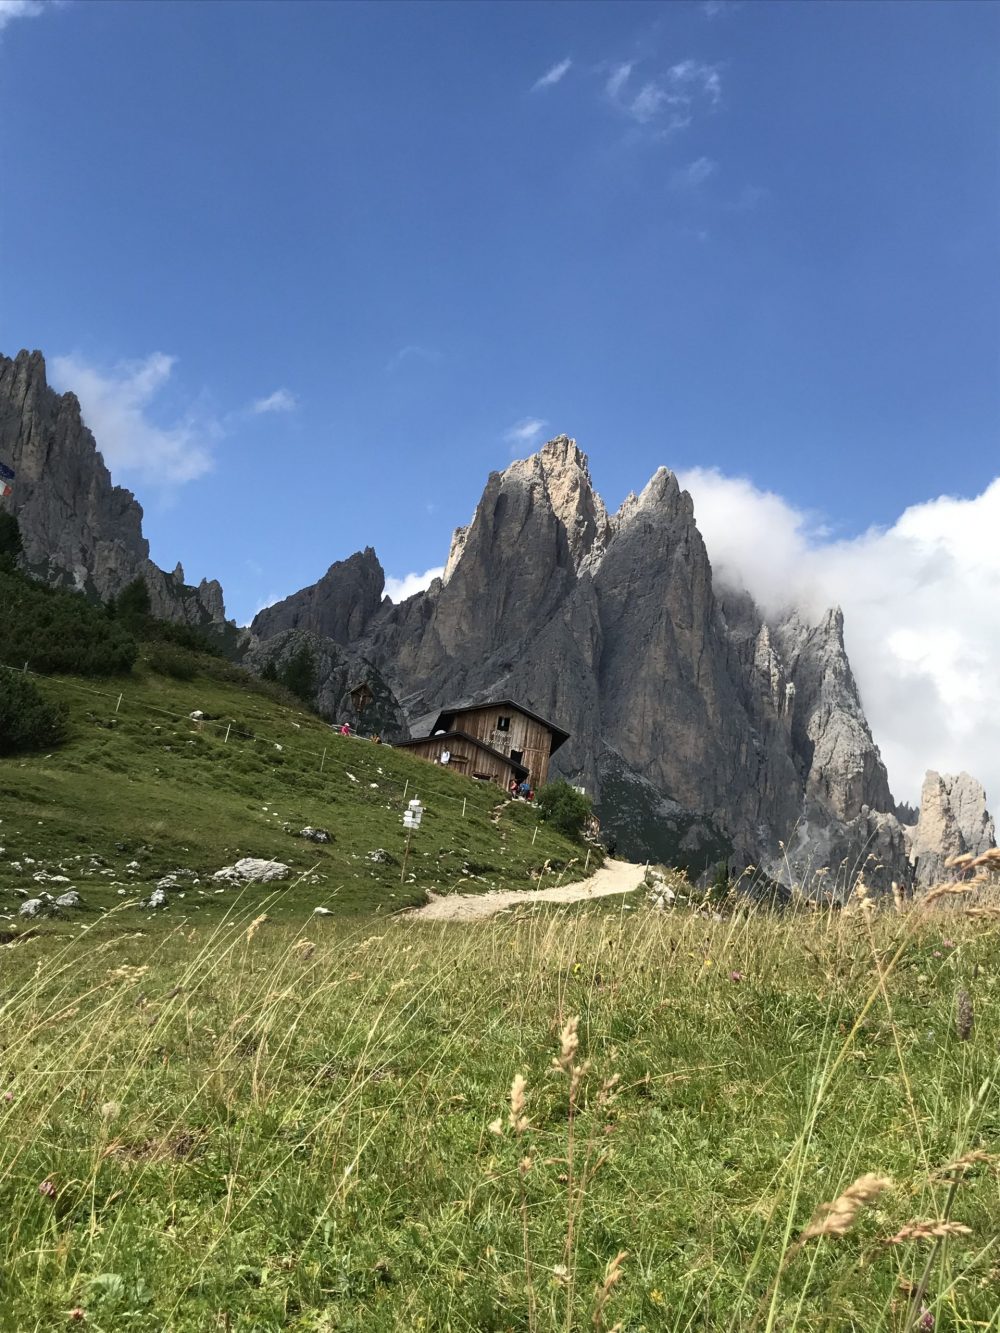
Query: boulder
[(252, 870), (315, 834)]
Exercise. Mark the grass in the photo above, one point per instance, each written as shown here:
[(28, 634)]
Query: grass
[(146, 791), (316, 1124)]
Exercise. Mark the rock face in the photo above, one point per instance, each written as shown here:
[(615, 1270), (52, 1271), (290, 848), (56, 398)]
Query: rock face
[(339, 673), (953, 820), (78, 529), (338, 607)]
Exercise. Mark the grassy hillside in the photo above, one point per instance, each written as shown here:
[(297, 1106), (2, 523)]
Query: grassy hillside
[(246, 1126), (140, 791)]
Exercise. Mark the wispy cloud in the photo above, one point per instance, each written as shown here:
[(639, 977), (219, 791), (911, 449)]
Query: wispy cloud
[(719, 9), (401, 588), (20, 9), (667, 101), (695, 174), (552, 76), (117, 406), (749, 199), (279, 401), (524, 432), (412, 352)]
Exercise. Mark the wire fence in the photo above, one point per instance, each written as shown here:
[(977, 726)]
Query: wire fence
[(230, 730)]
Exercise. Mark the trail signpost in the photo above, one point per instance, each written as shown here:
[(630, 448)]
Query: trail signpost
[(412, 816)]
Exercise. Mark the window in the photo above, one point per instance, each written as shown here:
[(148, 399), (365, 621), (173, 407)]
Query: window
[(503, 724), (517, 756)]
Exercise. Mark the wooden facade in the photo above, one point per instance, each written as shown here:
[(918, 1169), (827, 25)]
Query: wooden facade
[(509, 729), (468, 755)]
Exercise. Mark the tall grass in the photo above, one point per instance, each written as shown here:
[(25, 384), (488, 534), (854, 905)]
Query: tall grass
[(247, 1126)]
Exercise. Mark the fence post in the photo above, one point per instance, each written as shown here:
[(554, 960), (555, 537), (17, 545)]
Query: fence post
[(323, 760), (534, 835), (119, 703), (587, 862), (25, 669), (405, 785), (463, 807), (228, 728)]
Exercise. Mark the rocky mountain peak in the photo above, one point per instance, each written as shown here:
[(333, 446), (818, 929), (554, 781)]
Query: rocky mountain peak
[(560, 471), (339, 606), (78, 528), (954, 819)]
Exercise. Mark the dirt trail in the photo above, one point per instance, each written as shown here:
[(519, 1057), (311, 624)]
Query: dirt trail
[(613, 877)]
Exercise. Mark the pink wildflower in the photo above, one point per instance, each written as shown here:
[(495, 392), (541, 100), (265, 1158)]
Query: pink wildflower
[(47, 1189), (8, 1096), (736, 976)]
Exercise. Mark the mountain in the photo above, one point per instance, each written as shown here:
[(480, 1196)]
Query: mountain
[(79, 529), (704, 730)]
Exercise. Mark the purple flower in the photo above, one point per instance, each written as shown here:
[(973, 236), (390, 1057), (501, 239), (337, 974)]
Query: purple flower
[(8, 1096), (47, 1189), (926, 1318), (948, 944), (938, 953), (736, 976)]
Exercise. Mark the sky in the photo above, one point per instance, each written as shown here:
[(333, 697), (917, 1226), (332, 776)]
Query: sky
[(314, 270)]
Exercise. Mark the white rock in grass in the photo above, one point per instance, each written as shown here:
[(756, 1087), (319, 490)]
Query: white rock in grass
[(322, 911), (69, 899), (252, 870), (33, 907)]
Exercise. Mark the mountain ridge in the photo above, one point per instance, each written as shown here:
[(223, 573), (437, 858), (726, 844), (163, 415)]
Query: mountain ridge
[(705, 729)]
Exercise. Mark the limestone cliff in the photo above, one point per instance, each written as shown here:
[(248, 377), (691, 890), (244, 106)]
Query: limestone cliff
[(339, 606), (953, 820), (79, 529)]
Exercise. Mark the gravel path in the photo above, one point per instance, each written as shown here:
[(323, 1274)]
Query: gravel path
[(613, 877)]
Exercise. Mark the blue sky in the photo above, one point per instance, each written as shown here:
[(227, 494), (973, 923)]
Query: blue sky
[(314, 266)]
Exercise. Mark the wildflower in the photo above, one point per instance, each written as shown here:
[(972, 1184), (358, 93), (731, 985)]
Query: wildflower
[(110, 1109), (47, 1189), (8, 1096), (736, 976), (78, 1314), (707, 962), (937, 954), (926, 1320), (948, 944), (656, 1296)]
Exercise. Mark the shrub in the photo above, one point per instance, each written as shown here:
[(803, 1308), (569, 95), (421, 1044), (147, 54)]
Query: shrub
[(562, 806), (10, 541), (28, 721), (55, 630), (299, 674), (169, 660)]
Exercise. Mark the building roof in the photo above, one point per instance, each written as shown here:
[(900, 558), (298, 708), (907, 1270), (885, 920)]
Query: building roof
[(558, 735), (519, 770)]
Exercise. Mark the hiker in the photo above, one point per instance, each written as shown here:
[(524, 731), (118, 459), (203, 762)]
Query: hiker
[(524, 789), (376, 739), (513, 789), (611, 843), (345, 730)]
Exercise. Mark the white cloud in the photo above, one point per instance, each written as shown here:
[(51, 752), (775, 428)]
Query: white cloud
[(400, 589), (552, 76), (921, 603), (116, 407), (749, 199), (525, 431), (669, 100), (19, 9), (279, 401), (714, 9), (412, 352), (696, 173)]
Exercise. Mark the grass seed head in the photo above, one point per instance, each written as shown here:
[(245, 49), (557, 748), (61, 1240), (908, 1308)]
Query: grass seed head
[(964, 1015), (928, 1231), (837, 1218)]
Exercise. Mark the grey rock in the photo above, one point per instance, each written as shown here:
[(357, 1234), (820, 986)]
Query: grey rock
[(252, 870), (69, 899), (158, 898), (339, 671), (34, 907), (315, 834), (954, 820), (338, 607), (78, 529)]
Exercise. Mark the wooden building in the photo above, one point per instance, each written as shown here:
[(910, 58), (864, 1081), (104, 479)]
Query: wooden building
[(465, 754), (499, 739)]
